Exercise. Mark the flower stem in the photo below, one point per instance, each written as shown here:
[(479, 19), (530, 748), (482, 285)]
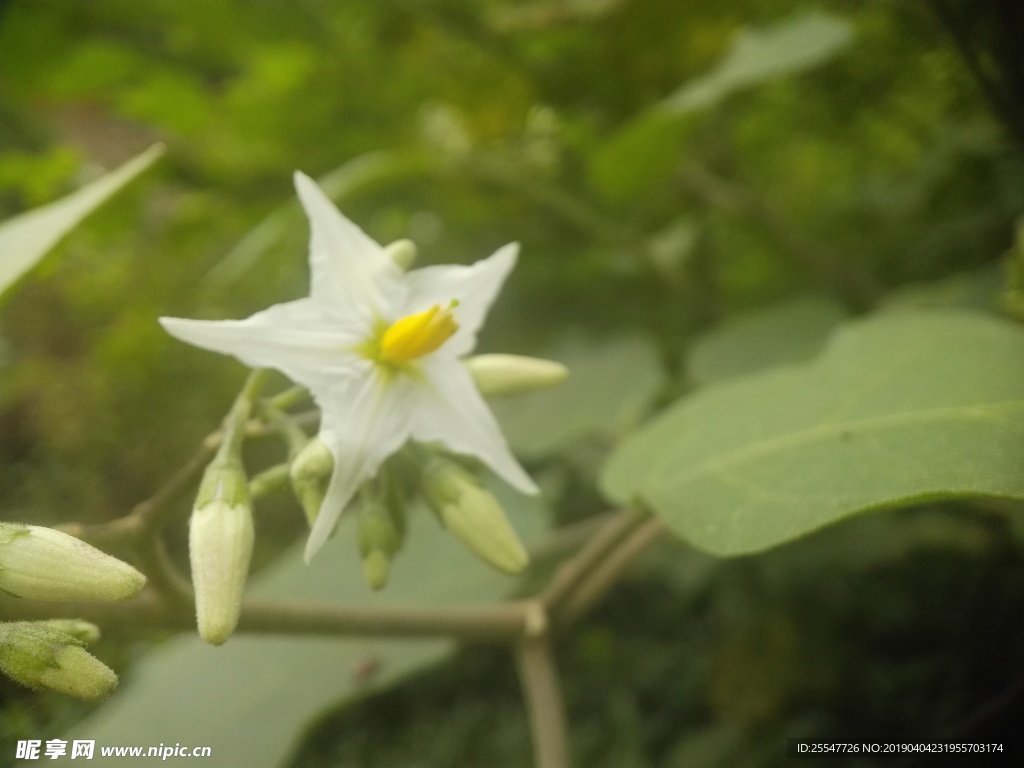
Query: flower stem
[(235, 423)]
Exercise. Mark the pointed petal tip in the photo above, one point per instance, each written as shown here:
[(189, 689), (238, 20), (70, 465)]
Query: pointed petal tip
[(317, 538), (531, 489), (174, 326), (508, 251)]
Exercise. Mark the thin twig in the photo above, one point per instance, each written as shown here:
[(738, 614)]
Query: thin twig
[(561, 541), (164, 578), (574, 570), (607, 573), (543, 695)]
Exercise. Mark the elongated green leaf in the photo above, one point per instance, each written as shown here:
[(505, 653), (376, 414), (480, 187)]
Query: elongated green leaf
[(759, 55), (900, 408), (26, 238), (250, 699), (642, 153)]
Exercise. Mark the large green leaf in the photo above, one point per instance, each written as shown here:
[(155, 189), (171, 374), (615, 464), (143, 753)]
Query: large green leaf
[(900, 408), (26, 238), (788, 332), (251, 698)]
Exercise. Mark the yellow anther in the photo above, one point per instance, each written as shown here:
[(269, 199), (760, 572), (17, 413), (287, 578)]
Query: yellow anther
[(418, 334)]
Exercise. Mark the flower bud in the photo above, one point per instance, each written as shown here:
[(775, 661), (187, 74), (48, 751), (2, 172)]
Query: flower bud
[(311, 471), (402, 252), (40, 655), (473, 515), (500, 375), (45, 564), (380, 537), (220, 540), (84, 631)]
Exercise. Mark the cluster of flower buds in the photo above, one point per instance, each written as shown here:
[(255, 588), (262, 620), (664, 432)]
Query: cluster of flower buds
[(50, 654), (43, 564), (463, 506)]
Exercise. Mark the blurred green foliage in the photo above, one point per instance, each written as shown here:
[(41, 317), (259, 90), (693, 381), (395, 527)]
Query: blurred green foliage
[(465, 125)]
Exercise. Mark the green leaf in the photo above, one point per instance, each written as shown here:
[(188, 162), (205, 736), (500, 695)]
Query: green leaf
[(980, 289), (26, 238), (639, 155), (251, 698), (643, 152), (789, 332), (611, 385), (903, 407), (757, 56)]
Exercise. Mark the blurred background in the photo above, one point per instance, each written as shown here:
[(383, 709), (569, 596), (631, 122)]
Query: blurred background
[(700, 189)]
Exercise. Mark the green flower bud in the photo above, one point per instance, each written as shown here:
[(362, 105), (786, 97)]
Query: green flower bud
[(501, 375), (40, 655), (85, 631), (311, 471), (380, 536), (473, 515), (376, 569), (45, 564), (402, 252), (220, 540)]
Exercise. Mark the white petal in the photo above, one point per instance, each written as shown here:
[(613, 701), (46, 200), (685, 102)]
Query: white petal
[(364, 420), (296, 338), (449, 409), (475, 287), (348, 269)]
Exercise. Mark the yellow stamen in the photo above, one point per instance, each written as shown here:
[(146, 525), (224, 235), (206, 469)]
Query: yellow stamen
[(418, 334)]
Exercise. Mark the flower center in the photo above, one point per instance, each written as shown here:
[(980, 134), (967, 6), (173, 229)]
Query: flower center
[(418, 334)]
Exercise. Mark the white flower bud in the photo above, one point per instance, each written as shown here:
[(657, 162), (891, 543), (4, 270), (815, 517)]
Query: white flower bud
[(40, 655), (501, 375), (473, 515), (45, 564), (220, 540)]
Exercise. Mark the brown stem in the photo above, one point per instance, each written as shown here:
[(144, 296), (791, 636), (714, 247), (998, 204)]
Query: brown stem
[(607, 573), (542, 692), (503, 622), (576, 568)]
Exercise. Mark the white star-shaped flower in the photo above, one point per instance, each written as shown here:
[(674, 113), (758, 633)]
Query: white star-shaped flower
[(380, 351)]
